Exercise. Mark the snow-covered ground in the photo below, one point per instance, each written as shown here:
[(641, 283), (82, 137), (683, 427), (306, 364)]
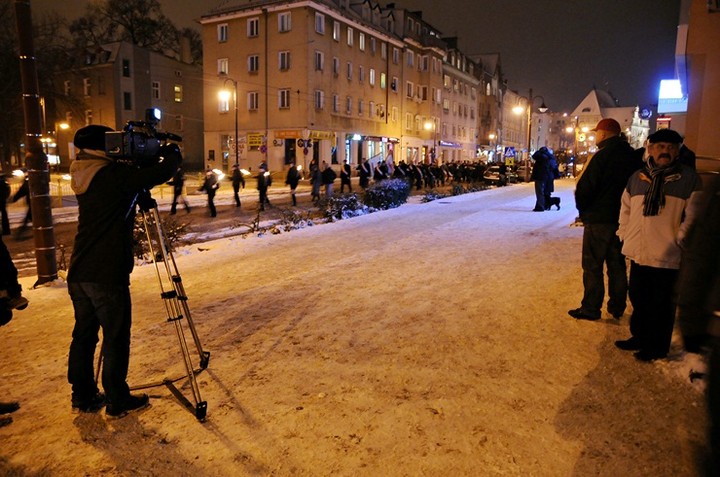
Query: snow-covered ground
[(432, 339)]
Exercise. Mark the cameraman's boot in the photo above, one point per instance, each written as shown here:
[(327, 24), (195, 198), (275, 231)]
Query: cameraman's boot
[(14, 301)]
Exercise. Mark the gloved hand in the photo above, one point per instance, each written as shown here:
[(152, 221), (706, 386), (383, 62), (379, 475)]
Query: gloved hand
[(171, 151)]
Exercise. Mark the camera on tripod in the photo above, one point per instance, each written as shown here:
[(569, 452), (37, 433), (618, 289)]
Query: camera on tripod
[(139, 142)]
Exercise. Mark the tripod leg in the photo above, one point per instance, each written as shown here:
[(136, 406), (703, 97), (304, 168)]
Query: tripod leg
[(175, 304)]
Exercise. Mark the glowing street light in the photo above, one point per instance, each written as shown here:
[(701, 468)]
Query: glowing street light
[(225, 96)]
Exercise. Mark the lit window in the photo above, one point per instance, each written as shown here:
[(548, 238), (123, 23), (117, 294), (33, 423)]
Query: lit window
[(178, 89)]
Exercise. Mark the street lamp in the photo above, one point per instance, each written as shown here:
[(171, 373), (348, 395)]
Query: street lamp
[(225, 96), (432, 126), (530, 100), (493, 148)]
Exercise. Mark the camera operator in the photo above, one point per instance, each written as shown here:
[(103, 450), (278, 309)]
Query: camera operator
[(100, 267)]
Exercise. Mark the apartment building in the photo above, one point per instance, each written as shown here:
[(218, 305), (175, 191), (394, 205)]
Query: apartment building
[(333, 80), (115, 83)]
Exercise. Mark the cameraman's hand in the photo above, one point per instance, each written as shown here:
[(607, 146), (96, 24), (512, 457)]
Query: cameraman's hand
[(171, 152)]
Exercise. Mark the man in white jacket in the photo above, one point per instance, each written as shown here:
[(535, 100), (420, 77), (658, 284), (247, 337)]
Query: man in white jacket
[(659, 203)]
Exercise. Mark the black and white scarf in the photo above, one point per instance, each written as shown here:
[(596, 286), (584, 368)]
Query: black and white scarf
[(657, 176)]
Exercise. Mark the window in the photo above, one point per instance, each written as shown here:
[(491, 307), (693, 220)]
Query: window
[(394, 114), (361, 73), (373, 47), (349, 70), (336, 103), (336, 30), (446, 105), (284, 60), (88, 117), (178, 89), (371, 109), (360, 107), (336, 66), (87, 90), (66, 86), (252, 100), (320, 23), (319, 99), (372, 77), (253, 63), (396, 56), (319, 60), (383, 50), (383, 80), (127, 101), (253, 27), (222, 66), (361, 41), (284, 99), (409, 89), (126, 68), (410, 57), (473, 93), (350, 36), (155, 90), (348, 105), (409, 121), (284, 23), (179, 122), (222, 32), (423, 92)]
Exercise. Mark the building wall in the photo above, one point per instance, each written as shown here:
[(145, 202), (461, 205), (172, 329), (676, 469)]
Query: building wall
[(703, 58)]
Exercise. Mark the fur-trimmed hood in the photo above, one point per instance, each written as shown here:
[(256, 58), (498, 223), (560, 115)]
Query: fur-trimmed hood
[(84, 168)]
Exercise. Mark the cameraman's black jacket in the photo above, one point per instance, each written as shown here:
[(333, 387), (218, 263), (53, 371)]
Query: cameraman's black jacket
[(106, 191)]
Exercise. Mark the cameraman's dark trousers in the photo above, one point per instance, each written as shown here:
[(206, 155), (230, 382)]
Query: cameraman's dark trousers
[(108, 306)]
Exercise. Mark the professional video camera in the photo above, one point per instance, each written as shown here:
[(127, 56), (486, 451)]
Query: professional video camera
[(139, 141)]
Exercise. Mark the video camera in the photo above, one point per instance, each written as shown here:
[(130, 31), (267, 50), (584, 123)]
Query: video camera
[(139, 141)]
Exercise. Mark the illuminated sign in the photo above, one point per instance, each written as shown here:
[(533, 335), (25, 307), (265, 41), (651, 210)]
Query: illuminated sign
[(671, 98)]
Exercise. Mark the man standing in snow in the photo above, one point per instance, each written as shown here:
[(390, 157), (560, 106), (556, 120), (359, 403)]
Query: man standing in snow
[(99, 273), (597, 198), (659, 204)]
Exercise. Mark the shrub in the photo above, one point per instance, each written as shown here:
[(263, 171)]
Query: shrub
[(342, 207), (433, 195), (387, 194), (172, 229)]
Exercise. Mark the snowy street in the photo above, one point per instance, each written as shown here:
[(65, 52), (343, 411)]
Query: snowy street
[(432, 339)]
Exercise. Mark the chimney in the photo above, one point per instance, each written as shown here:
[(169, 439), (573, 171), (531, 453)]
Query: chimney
[(185, 51)]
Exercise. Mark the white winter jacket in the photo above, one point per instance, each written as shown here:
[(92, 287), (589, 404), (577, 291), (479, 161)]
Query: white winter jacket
[(656, 241)]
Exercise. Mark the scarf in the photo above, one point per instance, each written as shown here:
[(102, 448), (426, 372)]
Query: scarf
[(657, 177)]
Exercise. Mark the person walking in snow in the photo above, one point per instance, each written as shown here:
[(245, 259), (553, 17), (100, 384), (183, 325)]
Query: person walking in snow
[(292, 180)]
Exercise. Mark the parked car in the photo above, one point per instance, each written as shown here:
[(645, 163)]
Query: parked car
[(492, 176)]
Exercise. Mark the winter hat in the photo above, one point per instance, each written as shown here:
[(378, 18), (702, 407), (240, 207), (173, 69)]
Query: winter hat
[(91, 137), (608, 124), (665, 135)]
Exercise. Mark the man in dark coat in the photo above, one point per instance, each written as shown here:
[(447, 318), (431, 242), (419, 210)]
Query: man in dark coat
[(345, 175), (4, 196), (263, 182), (238, 181), (292, 180), (540, 174), (210, 187), (178, 182), (364, 172), (328, 178), (597, 198), (99, 273)]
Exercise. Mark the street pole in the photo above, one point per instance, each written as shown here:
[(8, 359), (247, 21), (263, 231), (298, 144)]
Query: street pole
[(35, 159), (529, 133)]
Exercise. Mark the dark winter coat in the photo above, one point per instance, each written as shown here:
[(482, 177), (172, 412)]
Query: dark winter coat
[(293, 177), (601, 185), (237, 180), (106, 193), (345, 174), (328, 176)]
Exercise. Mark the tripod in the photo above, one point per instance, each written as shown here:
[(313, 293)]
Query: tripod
[(173, 295)]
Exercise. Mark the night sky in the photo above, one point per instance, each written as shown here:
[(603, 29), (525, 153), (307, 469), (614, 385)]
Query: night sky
[(560, 48)]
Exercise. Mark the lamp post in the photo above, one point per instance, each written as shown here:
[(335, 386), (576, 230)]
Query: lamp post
[(225, 96), (530, 100), (493, 148), (432, 125)]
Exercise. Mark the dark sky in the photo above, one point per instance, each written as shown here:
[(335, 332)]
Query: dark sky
[(560, 48)]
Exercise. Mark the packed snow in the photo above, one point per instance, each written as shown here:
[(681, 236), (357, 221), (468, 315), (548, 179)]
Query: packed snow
[(432, 339)]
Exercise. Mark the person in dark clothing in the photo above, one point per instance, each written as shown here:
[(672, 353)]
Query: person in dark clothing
[(345, 175), (597, 198), (292, 180), (210, 187), (238, 181), (4, 196), (502, 173), (10, 299), (364, 172), (24, 191), (328, 179), (263, 182), (178, 182), (99, 273), (552, 174), (540, 175), (315, 180)]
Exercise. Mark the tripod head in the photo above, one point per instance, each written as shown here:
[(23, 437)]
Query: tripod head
[(145, 200)]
